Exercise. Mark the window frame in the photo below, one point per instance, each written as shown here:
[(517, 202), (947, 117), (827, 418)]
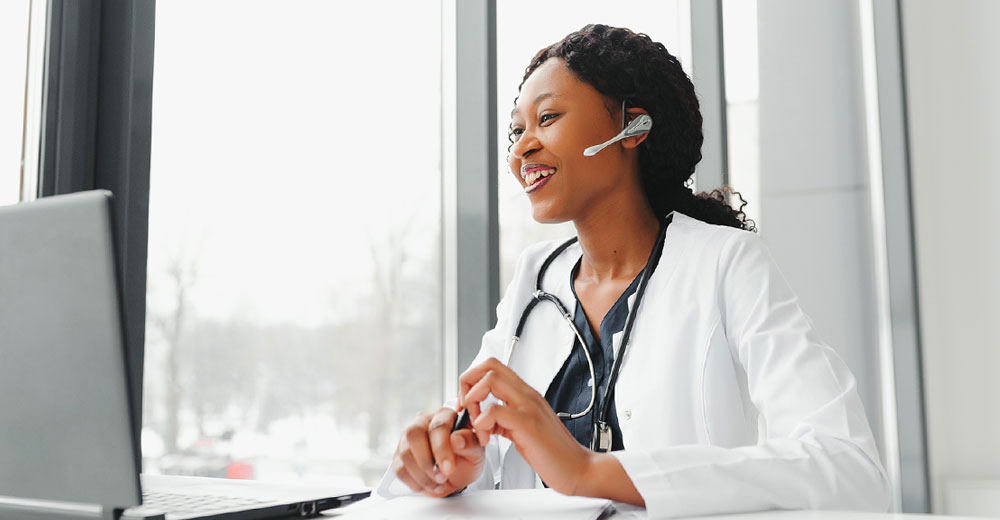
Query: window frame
[(95, 134)]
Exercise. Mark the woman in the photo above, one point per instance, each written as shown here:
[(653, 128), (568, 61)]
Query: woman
[(723, 399)]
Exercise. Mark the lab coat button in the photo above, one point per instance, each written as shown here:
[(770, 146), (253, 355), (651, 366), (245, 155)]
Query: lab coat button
[(628, 414)]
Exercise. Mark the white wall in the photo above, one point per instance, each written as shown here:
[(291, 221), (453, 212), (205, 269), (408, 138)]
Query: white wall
[(952, 52), (814, 177)]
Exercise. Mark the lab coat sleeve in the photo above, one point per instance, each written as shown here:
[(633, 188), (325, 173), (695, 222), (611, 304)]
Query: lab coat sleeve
[(815, 449)]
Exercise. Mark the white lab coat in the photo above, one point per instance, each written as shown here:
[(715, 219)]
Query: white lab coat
[(727, 400)]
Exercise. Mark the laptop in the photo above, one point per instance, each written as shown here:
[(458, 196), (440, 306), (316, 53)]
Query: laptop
[(68, 442)]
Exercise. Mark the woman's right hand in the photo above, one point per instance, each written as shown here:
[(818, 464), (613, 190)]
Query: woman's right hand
[(433, 460)]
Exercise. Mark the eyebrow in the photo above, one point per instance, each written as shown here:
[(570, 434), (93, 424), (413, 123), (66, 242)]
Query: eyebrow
[(538, 98)]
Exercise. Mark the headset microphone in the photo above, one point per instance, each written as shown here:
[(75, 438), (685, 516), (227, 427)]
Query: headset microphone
[(638, 126)]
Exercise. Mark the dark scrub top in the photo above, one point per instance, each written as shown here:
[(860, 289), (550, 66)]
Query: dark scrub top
[(569, 391)]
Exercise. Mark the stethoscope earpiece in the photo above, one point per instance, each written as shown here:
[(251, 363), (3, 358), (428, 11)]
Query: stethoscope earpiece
[(640, 125)]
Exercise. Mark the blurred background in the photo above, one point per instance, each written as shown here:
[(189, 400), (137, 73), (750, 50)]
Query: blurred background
[(318, 221)]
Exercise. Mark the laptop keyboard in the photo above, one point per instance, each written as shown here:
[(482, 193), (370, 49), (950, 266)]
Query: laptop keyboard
[(176, 503)]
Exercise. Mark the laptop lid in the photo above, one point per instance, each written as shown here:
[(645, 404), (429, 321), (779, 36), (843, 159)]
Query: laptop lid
[(66, 430)]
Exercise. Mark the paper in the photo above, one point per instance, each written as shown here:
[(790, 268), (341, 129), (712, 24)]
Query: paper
[(481, 505)]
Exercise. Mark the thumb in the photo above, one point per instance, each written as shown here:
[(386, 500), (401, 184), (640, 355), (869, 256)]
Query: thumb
[(465, 444)]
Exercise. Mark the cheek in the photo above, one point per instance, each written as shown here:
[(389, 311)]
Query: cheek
[(513, 166)]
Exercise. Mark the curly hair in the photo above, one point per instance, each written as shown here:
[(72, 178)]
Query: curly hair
[(631, 67)]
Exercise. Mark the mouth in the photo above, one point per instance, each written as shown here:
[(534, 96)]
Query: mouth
[(536, 175)]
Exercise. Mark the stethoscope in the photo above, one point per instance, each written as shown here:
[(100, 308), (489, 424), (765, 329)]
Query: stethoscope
[(600, 440)]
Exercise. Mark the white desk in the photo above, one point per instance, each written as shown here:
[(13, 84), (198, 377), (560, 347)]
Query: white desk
[(629, 512)]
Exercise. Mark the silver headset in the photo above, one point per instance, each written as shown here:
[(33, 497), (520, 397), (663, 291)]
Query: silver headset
[(638, 126)]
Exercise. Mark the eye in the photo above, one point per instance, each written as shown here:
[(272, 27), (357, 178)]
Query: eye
[(515, 133), (546, 117)]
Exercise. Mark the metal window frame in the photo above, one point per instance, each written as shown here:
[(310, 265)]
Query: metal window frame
[(470, 223), (895, 256), (708, 75), (95, 134)]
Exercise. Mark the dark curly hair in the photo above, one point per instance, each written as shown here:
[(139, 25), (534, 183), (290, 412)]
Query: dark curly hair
[(631, 67)]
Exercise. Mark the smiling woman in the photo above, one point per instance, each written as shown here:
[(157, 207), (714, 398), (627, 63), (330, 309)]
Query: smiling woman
[(667, 21), (687, 361)]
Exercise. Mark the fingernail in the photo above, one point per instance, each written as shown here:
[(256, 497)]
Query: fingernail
[(438, 490), (440, 478), (446, 467)]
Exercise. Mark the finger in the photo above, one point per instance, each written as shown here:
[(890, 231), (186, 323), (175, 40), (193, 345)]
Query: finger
[(439, 432), (487, 424), (471, 377), (439, 491), (464, 443), (417, 474), (475, 373), (419, 449), (503, 384), (484, 425), (399, 468), (502, 420)]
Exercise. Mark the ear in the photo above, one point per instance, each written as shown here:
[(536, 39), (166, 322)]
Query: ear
[(633, 142)]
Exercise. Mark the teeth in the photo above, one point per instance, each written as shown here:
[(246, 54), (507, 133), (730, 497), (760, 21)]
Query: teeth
[(533, 177)]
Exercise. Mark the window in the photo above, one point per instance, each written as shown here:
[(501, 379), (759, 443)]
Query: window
[(20, 86), (739, 22), (519, 37), (294, 302)]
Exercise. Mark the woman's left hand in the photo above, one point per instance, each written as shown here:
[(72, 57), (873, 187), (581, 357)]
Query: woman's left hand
[(525, 418)]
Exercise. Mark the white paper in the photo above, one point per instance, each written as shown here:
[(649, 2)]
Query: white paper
[(481, 505)]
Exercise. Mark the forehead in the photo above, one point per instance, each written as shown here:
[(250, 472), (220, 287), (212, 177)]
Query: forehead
[(554, 80)]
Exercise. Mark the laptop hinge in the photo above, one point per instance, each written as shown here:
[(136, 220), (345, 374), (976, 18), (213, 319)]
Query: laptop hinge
[(112, 513)]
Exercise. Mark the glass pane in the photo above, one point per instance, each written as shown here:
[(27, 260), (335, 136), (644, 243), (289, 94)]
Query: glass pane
[(294, 302), (739, 35), (518, 39), (14, 21)]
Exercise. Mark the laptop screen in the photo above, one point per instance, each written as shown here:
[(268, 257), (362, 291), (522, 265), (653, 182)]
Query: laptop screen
[(66, 432)]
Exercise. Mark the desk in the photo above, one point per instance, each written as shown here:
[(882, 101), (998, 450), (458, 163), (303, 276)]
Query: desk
[(629, 512)]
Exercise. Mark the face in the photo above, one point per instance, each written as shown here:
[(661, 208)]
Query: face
[(558, 116)]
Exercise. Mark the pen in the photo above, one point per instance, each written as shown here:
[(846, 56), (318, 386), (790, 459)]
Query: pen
[(461, 421)]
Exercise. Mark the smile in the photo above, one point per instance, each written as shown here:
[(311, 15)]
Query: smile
[(539, 181), (536, 175)]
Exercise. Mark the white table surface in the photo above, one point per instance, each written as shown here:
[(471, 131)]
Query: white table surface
[(629, 512)]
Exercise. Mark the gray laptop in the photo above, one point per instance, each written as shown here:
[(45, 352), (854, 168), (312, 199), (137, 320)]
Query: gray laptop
[(68, 445)]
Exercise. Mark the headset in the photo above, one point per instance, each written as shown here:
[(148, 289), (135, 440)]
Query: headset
[(638, 126)]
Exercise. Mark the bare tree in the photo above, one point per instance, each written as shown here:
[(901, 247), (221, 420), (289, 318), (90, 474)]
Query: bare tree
[(181, 275)]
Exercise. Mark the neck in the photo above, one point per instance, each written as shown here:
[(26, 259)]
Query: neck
[(617, 240)]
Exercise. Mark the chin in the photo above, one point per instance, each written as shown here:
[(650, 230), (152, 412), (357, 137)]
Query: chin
[(544, 214)]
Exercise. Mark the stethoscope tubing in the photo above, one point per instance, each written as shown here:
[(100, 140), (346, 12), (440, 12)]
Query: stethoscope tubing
[(539, 295)]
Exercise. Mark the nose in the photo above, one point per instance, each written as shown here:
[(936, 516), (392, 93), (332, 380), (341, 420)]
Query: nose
[(526, 145)]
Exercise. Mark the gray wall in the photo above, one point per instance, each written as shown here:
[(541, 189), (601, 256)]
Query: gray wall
[(952, 50), (815, 209)]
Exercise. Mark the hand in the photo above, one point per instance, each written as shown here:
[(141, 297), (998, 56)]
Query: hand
[(432, 460), (525, 418)]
